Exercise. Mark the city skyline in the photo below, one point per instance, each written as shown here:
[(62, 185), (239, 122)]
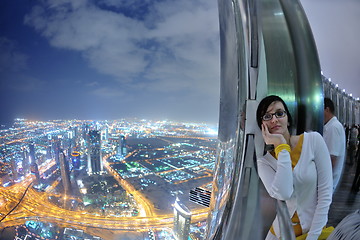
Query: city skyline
[(165, 159), (147, 59)]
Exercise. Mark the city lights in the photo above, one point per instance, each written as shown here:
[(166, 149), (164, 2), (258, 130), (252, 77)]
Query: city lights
[(112, 175)]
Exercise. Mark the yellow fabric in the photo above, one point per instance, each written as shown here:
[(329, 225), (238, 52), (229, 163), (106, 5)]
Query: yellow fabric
[(296, 152), (281, 147), (325, 233), (272, 230), (296, 225)]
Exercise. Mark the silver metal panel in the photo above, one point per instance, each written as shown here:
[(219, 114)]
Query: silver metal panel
[(293, 68), (279, 53), (308, 91), (232, 108), (245, 219)]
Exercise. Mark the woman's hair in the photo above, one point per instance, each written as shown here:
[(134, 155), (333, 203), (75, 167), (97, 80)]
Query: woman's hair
[(263, 106)]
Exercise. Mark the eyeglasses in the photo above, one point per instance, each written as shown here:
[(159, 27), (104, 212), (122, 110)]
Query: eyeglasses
[(278, 114)]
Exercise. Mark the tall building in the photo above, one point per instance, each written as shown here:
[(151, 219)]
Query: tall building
[(95, 165), (25, 161), (182, 219), (32, 153), (85, 130), (105, 133), (57, 147), (35, 170), (49, 148), (14, 169), (48, 152), (122, 146), (75, 160), (69, 141), (65, 173), (200, 196), (76, 132)]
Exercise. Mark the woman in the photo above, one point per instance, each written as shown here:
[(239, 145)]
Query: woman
[(297, 170)]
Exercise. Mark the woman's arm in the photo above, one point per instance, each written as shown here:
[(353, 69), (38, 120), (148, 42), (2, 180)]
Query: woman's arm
[(279, 182)]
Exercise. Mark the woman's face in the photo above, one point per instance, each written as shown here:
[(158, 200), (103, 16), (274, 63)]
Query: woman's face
[(277, 125)]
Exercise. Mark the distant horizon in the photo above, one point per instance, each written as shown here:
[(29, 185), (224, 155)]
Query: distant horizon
[(117, 119)]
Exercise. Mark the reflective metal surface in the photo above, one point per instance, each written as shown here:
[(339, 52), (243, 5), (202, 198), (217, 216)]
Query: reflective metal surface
[(286, 229), (233, 88), (293, 68)]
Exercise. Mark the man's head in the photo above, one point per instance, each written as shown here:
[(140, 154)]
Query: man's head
[(329, 109)]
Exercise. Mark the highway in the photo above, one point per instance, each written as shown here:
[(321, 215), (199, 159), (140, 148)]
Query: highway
[(35, 205)]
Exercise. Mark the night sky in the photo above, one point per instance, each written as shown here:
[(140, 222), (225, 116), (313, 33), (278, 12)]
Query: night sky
[(154, 59), (335, 26)]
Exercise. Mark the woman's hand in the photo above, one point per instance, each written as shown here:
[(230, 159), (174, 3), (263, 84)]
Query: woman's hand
[(269, 138)]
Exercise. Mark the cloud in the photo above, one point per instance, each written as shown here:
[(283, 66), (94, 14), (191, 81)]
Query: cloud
[(11, 59), (24, 83), (189, 44), (172, 45), (13, 63), (106, 92), (91, 84), (133, 5)]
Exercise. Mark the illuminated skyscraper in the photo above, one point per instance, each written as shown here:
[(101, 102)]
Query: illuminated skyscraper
[(33, 165), (65, 173), (105, 133), (14, 169), (200, 196), (32, 153), (122, 146), (182, 218), (85, 130), (75, 160), (48, 152), (56, 147), (94, 152), (25, 161), (35, 170), (49, 148)]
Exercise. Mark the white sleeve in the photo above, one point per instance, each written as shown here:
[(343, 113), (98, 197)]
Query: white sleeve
[(324, 187), (332, 141), (279, 182)]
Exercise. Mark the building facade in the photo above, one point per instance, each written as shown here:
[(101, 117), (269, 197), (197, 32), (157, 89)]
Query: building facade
[(95, 165)]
